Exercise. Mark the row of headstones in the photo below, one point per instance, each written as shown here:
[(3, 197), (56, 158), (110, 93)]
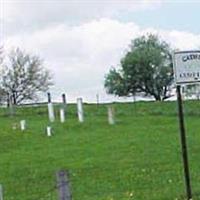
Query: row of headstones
[(80, 114), (79, 110), (63, 109), (23, 128)]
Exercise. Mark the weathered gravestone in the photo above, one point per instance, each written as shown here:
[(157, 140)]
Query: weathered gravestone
[(62, 115), (49, 131), (80, 109), (50, 109), (23, 125), (63, 185), (111, 115)]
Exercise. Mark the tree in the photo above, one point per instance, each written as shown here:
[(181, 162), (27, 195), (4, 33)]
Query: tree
[(146, 68), (23, 76)]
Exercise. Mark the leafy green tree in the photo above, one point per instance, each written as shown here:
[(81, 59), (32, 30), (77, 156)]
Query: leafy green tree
[(146, 68), (23, 76)]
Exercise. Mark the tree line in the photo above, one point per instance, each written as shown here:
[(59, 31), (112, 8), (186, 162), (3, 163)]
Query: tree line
[(145, 69)]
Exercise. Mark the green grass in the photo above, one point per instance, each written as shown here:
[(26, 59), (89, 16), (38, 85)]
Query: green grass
[(137, 158)]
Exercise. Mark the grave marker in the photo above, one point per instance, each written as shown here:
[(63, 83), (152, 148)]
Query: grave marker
[(63, 185), (50, 108), (49, 131), (97, 97), (51, 112), (80, 109), (62, 115), (111, 120), (23, 125)]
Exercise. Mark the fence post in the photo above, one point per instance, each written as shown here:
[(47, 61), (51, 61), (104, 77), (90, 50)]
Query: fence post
[(49, 97), (64, 104), (97, 96), (64, 99)]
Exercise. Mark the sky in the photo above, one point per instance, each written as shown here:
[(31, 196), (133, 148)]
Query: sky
[(80, 40)]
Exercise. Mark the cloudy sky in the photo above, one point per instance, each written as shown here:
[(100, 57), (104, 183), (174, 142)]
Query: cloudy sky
[(81, 39)]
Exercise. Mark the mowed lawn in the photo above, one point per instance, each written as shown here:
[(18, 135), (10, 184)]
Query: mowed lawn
[(137, 158)]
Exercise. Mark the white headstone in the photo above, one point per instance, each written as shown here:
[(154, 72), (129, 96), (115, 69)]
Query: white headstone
[(51, 112), (48, 131), (62, 115), (111, 115), (23, 125), (80, 109)]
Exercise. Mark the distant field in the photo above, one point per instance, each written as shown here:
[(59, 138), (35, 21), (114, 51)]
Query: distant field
[(137, 158)]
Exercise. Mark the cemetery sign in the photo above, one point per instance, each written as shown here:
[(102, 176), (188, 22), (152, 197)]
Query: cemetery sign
[(186, 67)]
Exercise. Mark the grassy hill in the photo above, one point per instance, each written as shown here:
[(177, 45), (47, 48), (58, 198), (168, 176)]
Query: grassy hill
[(137, 158)]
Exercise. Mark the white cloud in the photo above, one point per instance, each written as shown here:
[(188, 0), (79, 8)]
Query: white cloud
[(29, 15), (181, 40), (80, 9), (80, 55)]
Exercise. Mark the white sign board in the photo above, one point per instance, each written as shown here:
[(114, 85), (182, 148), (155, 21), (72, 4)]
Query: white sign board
[(186, 67)]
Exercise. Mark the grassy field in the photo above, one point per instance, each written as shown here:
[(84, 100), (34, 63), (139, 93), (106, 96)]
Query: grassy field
[(137, 158)]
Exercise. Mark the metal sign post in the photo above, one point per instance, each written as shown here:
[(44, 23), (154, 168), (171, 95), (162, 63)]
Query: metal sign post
[(186, 66), (184, 144)]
